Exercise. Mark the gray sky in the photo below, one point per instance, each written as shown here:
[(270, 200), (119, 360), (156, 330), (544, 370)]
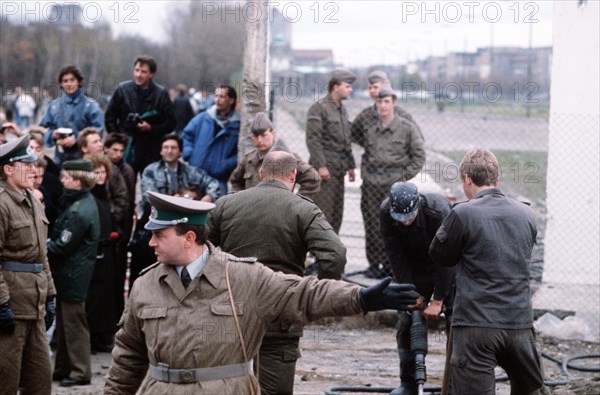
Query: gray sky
[(362, 33)]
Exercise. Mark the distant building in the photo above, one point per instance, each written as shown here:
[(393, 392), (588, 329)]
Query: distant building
[(295, 72), (512, 68)]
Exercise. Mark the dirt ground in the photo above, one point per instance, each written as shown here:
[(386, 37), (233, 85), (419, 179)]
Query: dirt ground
[(361, 352)]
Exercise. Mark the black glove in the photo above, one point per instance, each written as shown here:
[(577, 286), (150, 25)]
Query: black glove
[(383, 296), (7, 319), (50, 310)]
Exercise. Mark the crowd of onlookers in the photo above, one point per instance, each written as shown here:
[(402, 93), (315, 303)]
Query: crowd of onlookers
[(135, 143)]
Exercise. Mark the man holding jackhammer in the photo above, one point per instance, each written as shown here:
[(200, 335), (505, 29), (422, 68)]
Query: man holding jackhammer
[(409, 221)]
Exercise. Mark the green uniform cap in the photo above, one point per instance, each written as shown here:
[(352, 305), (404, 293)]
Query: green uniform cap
[(261, 124), (17, 151), (344, 75), (170, 211), (78, 164), (377, 76), (386, 91)]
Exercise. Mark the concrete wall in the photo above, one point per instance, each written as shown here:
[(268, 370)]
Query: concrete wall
[(572, 234)]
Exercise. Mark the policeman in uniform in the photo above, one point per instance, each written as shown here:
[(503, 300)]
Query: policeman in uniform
[(393, 152), (27, 293), (409, 221), (265, 140), (196, 318), (72, 251), (329, 145), (278, 227)]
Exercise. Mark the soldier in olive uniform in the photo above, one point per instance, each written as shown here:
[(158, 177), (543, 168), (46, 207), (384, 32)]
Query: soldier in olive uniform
[(271, 223), (196, 318), (328, 141), (72, 250), (27, 294), (393, 152), (265, 140), (369, 116)]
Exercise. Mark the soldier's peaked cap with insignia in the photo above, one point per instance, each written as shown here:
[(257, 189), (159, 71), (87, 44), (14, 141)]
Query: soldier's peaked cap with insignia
[(16, 151), (170, 211)]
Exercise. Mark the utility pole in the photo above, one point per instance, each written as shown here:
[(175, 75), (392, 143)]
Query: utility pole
[(529, 60), (252, 95)]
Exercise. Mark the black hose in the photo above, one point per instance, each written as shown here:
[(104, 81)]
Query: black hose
[(375, 390), (565, 364)]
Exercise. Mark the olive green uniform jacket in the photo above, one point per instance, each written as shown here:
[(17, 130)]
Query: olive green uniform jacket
[(245, 175), (195, 327), (23, 233), (328, 137), (369, 117), (392, 153), (278, 228)]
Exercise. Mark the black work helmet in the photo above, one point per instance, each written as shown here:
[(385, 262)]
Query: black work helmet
[(404, 201)]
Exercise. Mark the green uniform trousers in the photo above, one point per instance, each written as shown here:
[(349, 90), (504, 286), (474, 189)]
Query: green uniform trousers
[(371, 197), (73, 357), (277, 365), (330, 200)]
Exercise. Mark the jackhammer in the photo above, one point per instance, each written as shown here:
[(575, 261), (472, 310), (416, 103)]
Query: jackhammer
[(418, 346)]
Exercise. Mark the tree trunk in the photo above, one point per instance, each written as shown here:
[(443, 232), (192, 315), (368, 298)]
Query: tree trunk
[(252, 95)]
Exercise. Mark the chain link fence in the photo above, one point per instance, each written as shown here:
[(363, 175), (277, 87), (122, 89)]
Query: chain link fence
[(517, 133)]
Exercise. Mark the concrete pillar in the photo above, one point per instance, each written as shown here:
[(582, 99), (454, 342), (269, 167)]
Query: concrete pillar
[(572, 232)]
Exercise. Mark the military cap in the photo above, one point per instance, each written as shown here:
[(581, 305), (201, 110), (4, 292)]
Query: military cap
[(343, 75), (17, 151), (78, 164), (385, 91), (261, 123), (376, 76), (171, 210)]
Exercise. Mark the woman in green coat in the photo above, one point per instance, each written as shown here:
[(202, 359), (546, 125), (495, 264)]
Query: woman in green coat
[(72, 252)]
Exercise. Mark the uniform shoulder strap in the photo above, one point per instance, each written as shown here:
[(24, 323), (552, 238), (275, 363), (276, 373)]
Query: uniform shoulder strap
[(250, 259), (147, 269)]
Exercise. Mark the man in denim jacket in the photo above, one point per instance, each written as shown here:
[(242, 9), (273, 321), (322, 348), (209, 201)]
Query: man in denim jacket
[(72, 110)]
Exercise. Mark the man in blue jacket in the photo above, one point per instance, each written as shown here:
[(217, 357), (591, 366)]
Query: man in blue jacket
[(210, 139), (71, 113)]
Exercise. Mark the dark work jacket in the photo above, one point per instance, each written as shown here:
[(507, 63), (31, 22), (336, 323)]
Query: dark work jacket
[(183, 112), (490, 238), (52, 190), (73, 246), (128, 98), (278, 227), (408, 246)]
